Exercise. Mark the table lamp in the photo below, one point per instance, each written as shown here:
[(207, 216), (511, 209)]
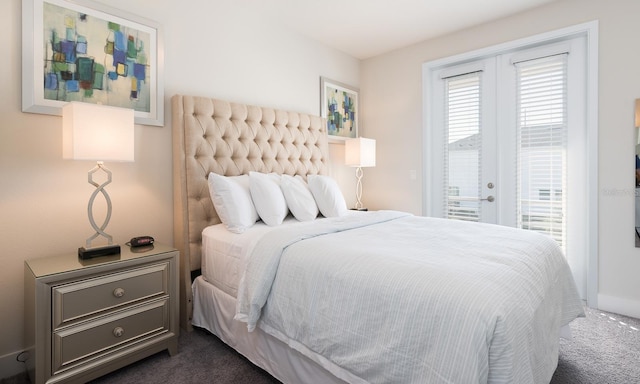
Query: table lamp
[(360, 152), (101, 133)]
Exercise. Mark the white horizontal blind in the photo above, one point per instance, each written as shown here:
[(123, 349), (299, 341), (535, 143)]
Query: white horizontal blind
[(542, 145), (463, 147)]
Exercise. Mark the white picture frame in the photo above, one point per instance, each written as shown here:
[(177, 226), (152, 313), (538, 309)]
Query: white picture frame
[(49, 82), (339, 104)]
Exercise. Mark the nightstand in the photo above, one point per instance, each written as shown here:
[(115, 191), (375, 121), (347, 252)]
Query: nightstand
[(85, 318)]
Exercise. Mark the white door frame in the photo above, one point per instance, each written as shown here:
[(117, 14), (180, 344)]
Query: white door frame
[(590, 31)]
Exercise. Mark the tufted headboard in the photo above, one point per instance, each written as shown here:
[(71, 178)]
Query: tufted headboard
[(231, 139)]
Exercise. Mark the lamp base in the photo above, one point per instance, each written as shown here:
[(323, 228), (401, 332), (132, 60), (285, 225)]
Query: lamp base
[(90, 253)]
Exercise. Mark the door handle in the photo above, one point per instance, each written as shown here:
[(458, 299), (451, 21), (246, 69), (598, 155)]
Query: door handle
[(489, 199)]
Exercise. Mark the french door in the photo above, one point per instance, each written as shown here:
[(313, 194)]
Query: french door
[(508, 143), (467, 177)]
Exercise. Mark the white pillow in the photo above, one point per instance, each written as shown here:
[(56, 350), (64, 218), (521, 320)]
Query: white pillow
[(328, 196), (232, 200), (299, 198), (268, 198)]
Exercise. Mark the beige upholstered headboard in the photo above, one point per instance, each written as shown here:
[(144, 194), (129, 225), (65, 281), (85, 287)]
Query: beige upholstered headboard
[(211, 135)]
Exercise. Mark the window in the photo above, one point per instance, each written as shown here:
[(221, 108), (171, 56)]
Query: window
[(541, 110), (462, 152)]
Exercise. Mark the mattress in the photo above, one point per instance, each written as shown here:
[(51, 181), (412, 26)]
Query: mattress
[(224, 253)]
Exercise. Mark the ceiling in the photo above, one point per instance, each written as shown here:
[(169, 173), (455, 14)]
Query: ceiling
[(366, 28)]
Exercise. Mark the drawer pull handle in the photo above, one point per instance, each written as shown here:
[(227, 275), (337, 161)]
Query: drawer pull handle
[(118, 292), (118, 331)]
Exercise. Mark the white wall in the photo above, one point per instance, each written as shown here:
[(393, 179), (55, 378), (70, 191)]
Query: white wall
[(391, 94), (224, 49)]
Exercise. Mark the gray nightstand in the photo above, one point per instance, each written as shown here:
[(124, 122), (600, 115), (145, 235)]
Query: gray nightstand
[(85, 318)]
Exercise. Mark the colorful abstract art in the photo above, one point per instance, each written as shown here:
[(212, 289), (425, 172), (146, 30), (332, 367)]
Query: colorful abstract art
[(340, 108), (94, 60)]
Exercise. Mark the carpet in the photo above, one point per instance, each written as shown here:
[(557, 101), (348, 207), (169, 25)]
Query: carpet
[(605, 349)]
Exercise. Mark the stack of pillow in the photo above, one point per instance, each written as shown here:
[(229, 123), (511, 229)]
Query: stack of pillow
[(241, 200)]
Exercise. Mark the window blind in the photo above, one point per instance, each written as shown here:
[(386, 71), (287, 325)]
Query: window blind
[(463, 147), (542, 145)]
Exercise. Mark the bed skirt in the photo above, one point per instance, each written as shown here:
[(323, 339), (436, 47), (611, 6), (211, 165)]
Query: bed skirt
[(214, 310)]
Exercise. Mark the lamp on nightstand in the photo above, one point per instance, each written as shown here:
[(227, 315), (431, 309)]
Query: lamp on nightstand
[(102, 133), (359, 152)]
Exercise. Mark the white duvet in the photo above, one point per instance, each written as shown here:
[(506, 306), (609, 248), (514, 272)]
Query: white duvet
[(395, 298)]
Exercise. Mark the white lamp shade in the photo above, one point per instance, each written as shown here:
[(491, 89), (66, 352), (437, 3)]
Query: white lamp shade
[(97, 132), (360, 152)]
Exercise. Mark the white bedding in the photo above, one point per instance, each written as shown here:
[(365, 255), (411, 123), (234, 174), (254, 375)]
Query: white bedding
[(394, 298), (224, 253)]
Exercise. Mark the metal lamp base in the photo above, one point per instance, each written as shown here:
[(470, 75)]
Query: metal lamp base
[(89, 252)]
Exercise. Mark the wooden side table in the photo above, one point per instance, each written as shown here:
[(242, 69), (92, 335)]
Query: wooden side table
[(85, 318)]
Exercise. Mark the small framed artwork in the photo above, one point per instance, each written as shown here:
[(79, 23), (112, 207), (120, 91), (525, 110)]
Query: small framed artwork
[(80, 50), (339, 105)]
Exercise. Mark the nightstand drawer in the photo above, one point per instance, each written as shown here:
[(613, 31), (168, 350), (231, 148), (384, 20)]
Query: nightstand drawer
[(86, 297), (80, 343)]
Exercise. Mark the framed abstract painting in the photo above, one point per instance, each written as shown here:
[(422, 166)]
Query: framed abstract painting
[(339, 105), (79, 50)]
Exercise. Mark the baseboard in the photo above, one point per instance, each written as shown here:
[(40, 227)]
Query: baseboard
[(9, 366), (620, 306)]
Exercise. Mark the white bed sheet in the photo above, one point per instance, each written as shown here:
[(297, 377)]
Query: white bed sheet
[(224, 253)]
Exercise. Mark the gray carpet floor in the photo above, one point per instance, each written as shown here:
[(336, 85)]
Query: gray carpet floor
[(605, 350)]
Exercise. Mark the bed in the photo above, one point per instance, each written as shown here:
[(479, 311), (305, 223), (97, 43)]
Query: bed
[(349, 296)]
